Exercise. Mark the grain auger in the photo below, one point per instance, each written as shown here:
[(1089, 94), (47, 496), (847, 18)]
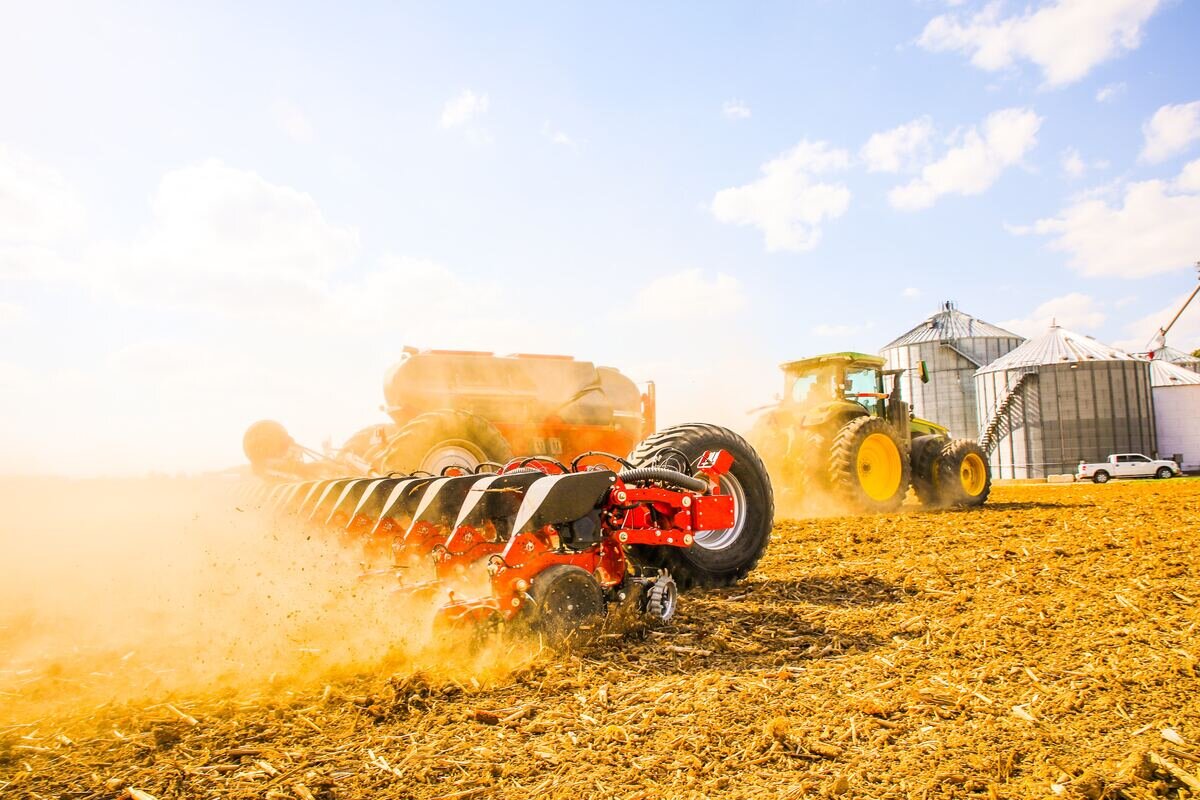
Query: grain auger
[(550, 545)]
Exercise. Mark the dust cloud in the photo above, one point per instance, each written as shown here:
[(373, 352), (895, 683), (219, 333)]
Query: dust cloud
[(120, 590)]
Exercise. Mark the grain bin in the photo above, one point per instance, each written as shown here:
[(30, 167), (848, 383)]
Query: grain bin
[(953, 345), (1176, 394), (1176, 357), (1060, 399)]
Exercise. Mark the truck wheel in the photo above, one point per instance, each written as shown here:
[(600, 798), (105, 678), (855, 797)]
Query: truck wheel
[(964, 478), (721, 557), (925, 451), (1100, 477), (437, 440), (868, 466), (1164, 472)]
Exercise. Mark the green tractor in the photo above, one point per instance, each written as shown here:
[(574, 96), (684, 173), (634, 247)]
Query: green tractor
[(838, 431)]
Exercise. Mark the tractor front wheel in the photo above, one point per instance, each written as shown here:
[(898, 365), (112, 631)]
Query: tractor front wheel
[(868, 465), (719, 557), (924, 460)]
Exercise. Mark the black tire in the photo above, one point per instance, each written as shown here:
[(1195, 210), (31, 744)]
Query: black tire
[(1163, 473), (959, 482), (1100, 477), (371, 442), (715, 558), (565, 603), (846, 475), (925, 451), (438, 439)]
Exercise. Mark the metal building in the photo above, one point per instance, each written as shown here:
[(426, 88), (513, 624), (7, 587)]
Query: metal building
[(1060, 399), (953, 345), (1177, 357), (1176, 394)]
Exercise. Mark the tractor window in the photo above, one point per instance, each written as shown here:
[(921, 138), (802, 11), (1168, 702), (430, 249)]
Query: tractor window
[(861, 380), (803, 387)]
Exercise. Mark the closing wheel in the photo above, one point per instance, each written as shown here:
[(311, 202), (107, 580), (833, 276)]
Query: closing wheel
[(1100, 477), (564, 602), (439, 440), (662, 598), (868, 465), (963, 476), (1164, 472), (717, 557)]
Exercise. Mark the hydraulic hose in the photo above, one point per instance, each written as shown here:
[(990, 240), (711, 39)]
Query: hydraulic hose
[(677, 479)]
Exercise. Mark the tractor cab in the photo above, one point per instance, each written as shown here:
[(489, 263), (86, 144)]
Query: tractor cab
[(837, 378)]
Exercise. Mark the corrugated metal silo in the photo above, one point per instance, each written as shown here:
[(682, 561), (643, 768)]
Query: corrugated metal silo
[(1060, 399), (953, 345), (1176, 357), (1176, 394)]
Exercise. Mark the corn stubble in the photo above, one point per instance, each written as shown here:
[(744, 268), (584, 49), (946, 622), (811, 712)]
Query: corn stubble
[(1044, 645)]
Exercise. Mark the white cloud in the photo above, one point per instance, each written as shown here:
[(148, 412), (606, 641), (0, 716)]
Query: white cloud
[(974, 162), (911, 293), (1073, 163), (682, 295), (1110, 92), (292, 121), (902, 147), (735, 109), (1064, 38), (1185, 334), (787, 204), (463, 108), (1075, 311), (228, 240), (558, 137), (1151, 230), (1170, 131), (37, 205)]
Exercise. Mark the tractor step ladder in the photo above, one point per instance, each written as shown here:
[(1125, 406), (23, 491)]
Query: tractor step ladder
[(987, 439)]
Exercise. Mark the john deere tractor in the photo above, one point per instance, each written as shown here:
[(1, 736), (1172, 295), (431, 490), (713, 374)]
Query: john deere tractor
[(839, 430)]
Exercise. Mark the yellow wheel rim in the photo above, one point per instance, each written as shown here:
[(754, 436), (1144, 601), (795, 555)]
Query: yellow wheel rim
[(879, 467), (972, 474)]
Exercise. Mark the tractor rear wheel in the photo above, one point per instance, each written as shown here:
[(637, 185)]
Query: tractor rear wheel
[(564, 601), (964, 478), (720, 557), (438, 440), (868, 465)]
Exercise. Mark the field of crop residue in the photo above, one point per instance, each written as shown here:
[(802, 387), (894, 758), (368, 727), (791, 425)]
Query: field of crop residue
[(1043, 646)]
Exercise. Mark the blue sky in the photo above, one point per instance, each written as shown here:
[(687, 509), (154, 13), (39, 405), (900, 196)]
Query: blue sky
[(214, 214)]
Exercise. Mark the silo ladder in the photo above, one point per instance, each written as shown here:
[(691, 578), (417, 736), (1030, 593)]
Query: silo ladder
[(987, 439)]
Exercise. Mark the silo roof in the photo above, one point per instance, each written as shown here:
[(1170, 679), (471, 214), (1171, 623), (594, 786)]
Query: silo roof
[(950, 324), (1164, 373), (1057, 346), (1166, 353)]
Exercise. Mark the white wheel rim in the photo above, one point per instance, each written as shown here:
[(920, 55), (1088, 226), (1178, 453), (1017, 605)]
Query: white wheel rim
[(721, 539), (456, 453)]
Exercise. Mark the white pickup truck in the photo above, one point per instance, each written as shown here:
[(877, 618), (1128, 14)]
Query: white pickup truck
[(1127, 465)]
